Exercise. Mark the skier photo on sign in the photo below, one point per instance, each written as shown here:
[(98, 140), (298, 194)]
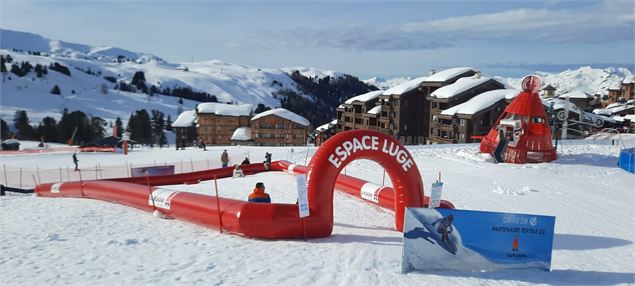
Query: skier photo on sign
[(444, 227)]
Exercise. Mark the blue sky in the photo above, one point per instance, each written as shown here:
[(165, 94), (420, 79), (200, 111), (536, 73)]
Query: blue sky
[(385, 39)]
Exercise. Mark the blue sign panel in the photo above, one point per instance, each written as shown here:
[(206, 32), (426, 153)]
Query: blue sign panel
[(450, 239)]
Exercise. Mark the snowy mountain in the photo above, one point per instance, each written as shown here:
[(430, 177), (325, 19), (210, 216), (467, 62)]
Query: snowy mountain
[(585, 79), (94, 69), (386, 84)]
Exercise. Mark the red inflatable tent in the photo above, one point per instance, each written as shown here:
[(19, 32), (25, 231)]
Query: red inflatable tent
[(522, 133)]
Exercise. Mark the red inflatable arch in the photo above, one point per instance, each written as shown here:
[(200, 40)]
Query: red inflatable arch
[(345, 147)]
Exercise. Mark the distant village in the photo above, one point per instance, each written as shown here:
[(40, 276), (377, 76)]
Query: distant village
[(456, 105)]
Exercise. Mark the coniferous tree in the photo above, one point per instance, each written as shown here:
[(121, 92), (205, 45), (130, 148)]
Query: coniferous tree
[(168, 123), (158, 125), (4, 130), (97, 130), (3, 68), (261, 108), (140, 127), (56, 90), (21, 122), (139, 80), (48, 130), (119, 127), (70, 122)]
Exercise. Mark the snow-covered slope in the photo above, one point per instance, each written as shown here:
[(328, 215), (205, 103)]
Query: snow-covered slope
[(68, 241), (227, 82)]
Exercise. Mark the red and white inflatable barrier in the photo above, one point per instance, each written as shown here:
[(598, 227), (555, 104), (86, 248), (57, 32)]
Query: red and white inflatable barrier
[(271, 221)]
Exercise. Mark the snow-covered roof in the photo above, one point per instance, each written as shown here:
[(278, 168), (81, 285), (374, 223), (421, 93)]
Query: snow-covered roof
[(576, 94), (459, 86), (225, 109), (326, 126), (365, 97), (614, 105), (615, 86), (185, 119), (242, 134), (286, 114), (481, 101), (406, 86), (629, 79), (11, 141), (560, 103), (448, 74), (375, 110)]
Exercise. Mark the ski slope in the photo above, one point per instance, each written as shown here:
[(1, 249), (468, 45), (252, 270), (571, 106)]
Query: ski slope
[(73, 241)]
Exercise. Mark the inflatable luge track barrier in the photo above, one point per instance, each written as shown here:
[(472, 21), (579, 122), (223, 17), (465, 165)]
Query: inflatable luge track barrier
[(274, 220)]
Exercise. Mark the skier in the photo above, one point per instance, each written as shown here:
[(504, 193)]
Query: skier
[(259, 195), (445, 228), (75, 161), (224, 158)]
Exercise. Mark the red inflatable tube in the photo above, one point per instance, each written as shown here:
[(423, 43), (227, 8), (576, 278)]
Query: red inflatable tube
[(270, 221), (373, 193)]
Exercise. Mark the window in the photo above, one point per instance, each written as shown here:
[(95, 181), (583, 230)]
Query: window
[(434, 118), (462, 136), (463, 122)]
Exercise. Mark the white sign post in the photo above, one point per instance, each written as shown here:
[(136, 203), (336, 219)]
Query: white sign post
[(303, 198), (435, 194)]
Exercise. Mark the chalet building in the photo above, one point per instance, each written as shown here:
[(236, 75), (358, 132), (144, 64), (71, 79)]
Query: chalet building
[(351, 113), (279, 127), (622, 91), (401, 111), (465, 122), (324, 132), (216, 122), (185, 128), (446, 97), (549, 91), (581, 99)]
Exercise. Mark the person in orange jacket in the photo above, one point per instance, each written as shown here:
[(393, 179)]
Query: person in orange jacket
[(259, 195)]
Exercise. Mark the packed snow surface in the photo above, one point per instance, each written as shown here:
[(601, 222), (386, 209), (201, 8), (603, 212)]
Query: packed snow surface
[(286, 114), (67, 241)]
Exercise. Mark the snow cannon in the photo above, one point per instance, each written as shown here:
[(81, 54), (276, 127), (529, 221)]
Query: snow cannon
[(522, 133)]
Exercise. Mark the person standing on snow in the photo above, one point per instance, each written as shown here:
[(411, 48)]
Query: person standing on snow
[(267, 160), (75, 161), (224, 158)]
